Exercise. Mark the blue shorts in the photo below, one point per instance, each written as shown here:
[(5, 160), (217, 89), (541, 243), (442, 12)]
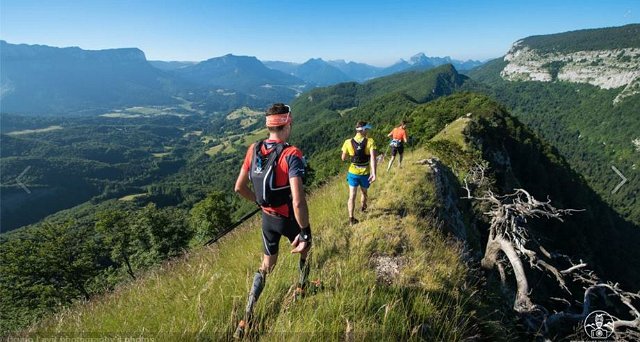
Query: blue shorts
[(358, 180)]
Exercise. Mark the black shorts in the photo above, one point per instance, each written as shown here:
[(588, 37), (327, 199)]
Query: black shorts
[(273, 227), (399, 149)]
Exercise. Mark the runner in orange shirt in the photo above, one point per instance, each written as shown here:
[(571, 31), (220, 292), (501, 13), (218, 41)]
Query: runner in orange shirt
[(398, 139)]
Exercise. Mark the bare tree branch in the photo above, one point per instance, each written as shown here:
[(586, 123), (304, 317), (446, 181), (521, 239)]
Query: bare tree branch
[(509, 236)]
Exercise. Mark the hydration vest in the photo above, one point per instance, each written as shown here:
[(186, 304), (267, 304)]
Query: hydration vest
[(262, 175), (360, 158)]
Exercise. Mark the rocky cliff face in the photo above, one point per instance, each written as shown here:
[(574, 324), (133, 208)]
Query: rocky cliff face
[(607, 69)]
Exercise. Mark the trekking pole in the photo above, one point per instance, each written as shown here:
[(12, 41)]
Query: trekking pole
[(232, 227), (387, 152)]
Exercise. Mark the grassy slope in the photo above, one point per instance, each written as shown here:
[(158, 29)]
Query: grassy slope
[(201, 295), (454, 132)]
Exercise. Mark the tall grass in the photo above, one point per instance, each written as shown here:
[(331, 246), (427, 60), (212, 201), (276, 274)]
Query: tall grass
[(202, 295)]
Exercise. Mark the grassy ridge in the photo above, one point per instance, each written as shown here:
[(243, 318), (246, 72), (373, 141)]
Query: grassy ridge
[(202, 295)]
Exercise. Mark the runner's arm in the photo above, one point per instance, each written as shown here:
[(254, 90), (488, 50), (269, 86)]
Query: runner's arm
[(344, 156), (242, 186), (300, 209), (345, 149), (374, 165)]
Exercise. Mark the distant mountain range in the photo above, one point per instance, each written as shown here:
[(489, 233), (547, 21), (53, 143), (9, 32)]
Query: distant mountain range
[(320, 72), (44, 80), (41, 79), (235, 72)]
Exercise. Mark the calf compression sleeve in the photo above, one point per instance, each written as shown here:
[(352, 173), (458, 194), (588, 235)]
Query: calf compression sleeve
[(259, 279), (303, 267)]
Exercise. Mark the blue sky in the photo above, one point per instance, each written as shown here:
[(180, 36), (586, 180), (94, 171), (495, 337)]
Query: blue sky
[(374, 32)]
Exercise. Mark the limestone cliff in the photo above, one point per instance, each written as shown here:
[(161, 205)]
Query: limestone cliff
[(607, 69)]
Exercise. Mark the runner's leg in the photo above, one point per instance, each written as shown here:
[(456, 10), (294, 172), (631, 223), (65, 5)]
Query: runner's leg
[(268, 263), (291, 230), (259, 281), (391, 162), (363, 197), (270, 238), (352, 199)]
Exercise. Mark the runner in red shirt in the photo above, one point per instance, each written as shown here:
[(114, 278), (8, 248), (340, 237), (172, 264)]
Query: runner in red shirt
[(275, 170)]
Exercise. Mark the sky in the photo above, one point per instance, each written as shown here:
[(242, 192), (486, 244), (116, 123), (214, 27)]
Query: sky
[(373, 32)]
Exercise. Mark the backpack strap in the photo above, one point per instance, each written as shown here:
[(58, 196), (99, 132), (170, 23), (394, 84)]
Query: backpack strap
[(262, 175), (355, 144), (359, 157)]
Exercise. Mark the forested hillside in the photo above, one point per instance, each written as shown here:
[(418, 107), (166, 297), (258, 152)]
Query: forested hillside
[(593, 127), (328, 115), (609, 38), (91, 158)]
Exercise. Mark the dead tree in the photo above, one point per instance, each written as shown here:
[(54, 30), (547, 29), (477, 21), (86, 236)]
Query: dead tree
[(510, 239)]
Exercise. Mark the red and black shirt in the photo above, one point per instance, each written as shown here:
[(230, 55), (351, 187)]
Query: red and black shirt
[(289, 165)]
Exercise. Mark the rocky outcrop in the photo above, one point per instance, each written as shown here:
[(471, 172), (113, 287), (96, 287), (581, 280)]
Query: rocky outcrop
[(607, 69), (450, 216)]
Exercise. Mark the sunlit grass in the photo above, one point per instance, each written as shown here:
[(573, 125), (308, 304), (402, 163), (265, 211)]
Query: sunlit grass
[(144, 110), (244, 112), (215, 149), (255, 136), (38, 130), (161, 154), (342, 112), (132, 197), (247, 115), (206, 139), (193, 133), (454, 132), (121, 115)]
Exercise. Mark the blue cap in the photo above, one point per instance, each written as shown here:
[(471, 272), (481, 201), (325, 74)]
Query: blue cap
[(362, 128)]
